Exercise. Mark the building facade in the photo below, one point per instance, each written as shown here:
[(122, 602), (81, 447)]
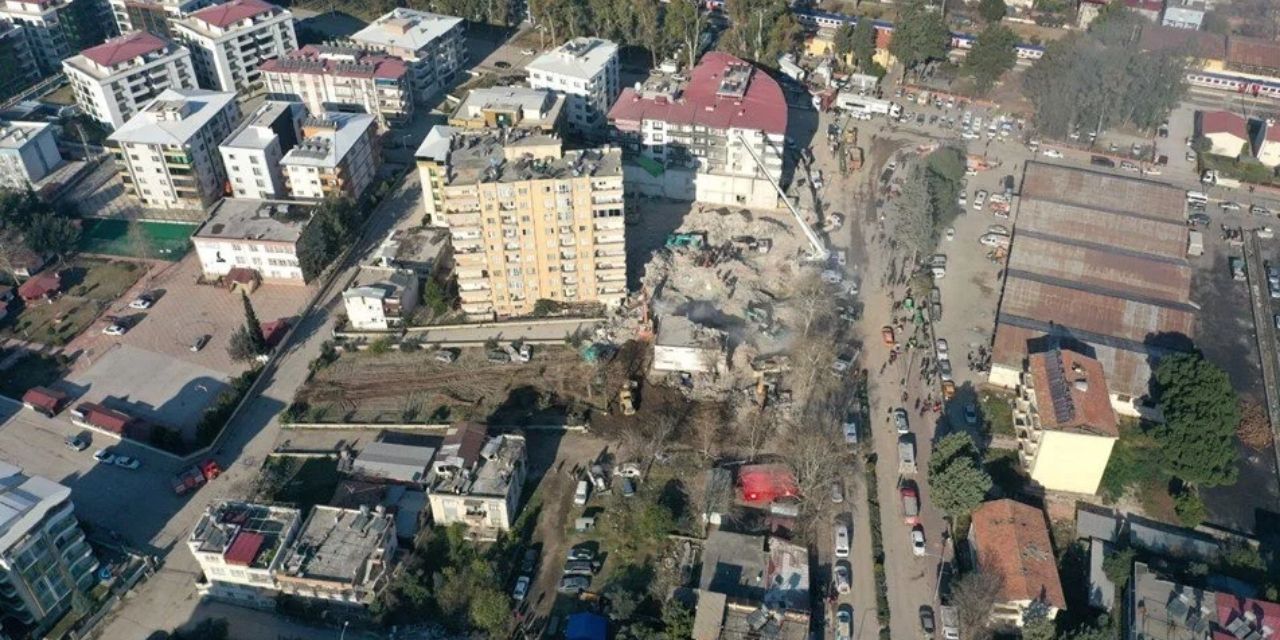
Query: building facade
[(380, 299), (476, 480), (44, 557), (432, 44), (17, 62), (238, 546), (335, 159), (229, 42), (57, 29), (113, 80), (252, 153), (28, 153), (585, 70), (258, 235), (719, 138), (1064, 422), (530, 221), (329, 78), (169, 150), (155, 16)]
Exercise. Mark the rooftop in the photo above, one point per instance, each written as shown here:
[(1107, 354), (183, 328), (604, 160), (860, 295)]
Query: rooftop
[(230, 13), (1224, 122), (470, 464), (1253, 52), (173, 117), (1072, 393), (418, 248), (380, 283), (244, 533), (1012, 541), (16, 135), (115, 51), (24, 502), (680, 331), (399, 462), (578, 58), (722, 92), (519, 155), (756, 570), (346, 62), (330, 137), (339, 545), (406, 29), (1201, 44), (1164, 610), (435, 146), (247, 219), (256, 131), (533, 107), (1245, 618)]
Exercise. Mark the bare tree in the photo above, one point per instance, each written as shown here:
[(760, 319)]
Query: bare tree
[(815, 304), (754, 429), (648, 438), (973, 597), (815, 455), (708, 426), (912, 222)]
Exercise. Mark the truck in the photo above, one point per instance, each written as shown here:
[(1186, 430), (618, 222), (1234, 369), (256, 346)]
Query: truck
[(906, 454), (865, 105), (195, 476), (950, 623), (910, 504), (1195, 244)]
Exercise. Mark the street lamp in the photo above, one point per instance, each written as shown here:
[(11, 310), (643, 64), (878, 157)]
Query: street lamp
[(344, 629)]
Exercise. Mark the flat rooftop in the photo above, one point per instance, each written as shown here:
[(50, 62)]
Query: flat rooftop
[(337, 545), (578, 58), (490, 473), (519, 155), (381, 283), (740, 567), (256, 132), (680, 331), (248, 219), (406, 29), (24, 502), (244, 533), (173, 117), (537, 107), (435, 146), (1169, 611), (333, 136), (16, 135)]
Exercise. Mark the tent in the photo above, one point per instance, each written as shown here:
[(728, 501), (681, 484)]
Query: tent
[(586, 626)]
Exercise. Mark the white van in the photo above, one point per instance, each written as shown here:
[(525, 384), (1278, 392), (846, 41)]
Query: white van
[(581, 494), (842, 541), (1197, 196)]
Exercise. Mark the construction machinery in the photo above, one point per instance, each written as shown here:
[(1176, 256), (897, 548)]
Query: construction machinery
[(818, 251)]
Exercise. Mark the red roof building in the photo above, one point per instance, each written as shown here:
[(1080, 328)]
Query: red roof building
[(1011, 541), (1227, 131), (225, 15), (244, 549), (338, 61), (326, 75), (1253, 54), (110, 420), (125, 48), (766, 483), (1245, 618), (45, 400), (1149, 9), (43, 285)]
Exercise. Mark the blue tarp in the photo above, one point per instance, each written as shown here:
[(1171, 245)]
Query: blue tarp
[(586, 626)]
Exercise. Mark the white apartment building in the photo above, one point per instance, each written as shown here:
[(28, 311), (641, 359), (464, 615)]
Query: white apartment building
[(380, 298), (169, 150), (114, 79), (586, 71), (331, 78), (230, 41), (44, 558), (239, 548), (258, 235), (720, 135), (476, 480), (28, 152), (156, 16), (252, 153), (432, 44), (335, 158), (57, 29)]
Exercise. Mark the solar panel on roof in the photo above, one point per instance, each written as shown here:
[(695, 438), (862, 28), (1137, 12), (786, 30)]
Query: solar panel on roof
[(1059, 389)]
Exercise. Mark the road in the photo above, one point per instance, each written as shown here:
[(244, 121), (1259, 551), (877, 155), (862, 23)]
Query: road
[(1265, 328), (168, 599)]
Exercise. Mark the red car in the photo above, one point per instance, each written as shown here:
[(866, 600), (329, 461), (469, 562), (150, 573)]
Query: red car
[(910, 505)]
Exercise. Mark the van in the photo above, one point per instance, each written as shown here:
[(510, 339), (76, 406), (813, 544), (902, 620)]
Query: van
[(842, 541), (1197, 196), (581, 494)]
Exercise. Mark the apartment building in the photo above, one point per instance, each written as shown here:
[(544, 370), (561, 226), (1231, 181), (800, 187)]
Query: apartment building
[(238, 546), (255, 235), (719, 137), (340, 555), (476, 480), (1064, 422), (169, 150), (531, 221), (510, 107), (155, 16), (252, 153), (57, 29), (331, 78), (432, 157), (28, 153), (585, 70), (229, 42), (380, 298), (432, 44), (335, 158), (15, 49), (44, 558), (113, 80)]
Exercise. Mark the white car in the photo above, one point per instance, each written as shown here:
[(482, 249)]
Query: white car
[(1052, 153), (522, 588), (114, 329), (141, 302), (1230, 206), (917, 540), (841, 577), (979, 199), (940, 345), (104, 456), (964, 199), (125, 462), (842, 541), (844, 622)]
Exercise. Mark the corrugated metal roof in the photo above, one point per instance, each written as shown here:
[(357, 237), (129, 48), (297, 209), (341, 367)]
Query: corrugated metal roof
[(1092, 265), (1085, 226), (1098, 190), (1093, 312)]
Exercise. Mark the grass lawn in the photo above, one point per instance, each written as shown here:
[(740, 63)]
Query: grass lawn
[(100, 280), (55, 323), (33, 370), (997, 413)]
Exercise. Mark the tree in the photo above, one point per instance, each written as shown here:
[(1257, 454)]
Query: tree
[(1189, 506), (489, 611), (958, 480), (761, 31), (241, 346), (1201, 413), (864, 43), (1255, 430), (1117, 564), (920, 35), (330, 230), (843, 40), (682, 25), (648, 28), (992, 10), (1039, 628), (992, 55), (49, 233), (912, 223), (252, 326), (944, 174), (973, 596)]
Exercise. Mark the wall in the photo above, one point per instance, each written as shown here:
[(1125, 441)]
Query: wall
[(677, 184), (1072, 462), (756, 193)]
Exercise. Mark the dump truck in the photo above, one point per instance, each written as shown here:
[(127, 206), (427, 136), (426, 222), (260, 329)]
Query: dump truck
[(195, 476)]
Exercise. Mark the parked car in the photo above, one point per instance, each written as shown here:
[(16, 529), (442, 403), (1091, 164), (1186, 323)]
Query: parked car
[(970, 414), (979, 199), (579, 568), (143, 302), (850, 429), (104, 456), (521, 590), (844, 622), (114, 329), (445, 356), (581, 552), (837, 492), (841, 577), (583, 492), (910, 503), (1230, 206), (944, 370), (842, 541), (573, 584), (1052, 153), (77, 442), (900, 420), (199, 342), (1201, 219), (926, 620), (127, 462), (940, 345), (530, 560), (917, 540)]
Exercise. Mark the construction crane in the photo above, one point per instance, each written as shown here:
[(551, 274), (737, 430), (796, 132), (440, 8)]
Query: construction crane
[(819, 252)]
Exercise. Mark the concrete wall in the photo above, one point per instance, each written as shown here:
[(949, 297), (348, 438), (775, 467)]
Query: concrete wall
[(677, 184), (1071, 462), (755, 193)]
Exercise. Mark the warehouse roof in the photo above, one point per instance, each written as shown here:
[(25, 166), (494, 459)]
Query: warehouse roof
[(1253, 52), (1201, 44), (1103, 191)]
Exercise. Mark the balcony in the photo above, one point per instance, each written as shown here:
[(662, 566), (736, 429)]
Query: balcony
[(612, 276), (610, 239)]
